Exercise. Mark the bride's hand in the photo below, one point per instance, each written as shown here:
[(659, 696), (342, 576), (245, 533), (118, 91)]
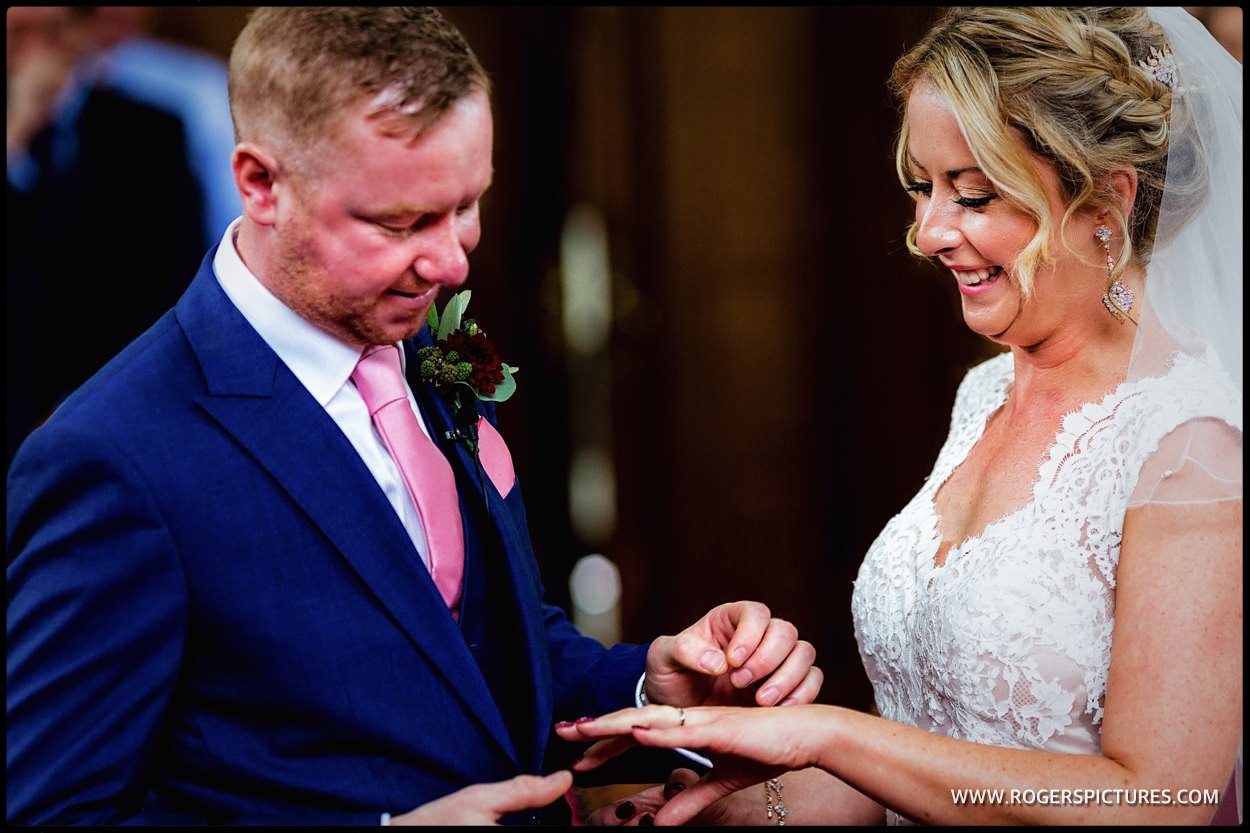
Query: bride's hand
[(780, 737), (746, 745)]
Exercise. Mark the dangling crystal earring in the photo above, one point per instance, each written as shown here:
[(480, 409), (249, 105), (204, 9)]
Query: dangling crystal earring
[(1118, 299)]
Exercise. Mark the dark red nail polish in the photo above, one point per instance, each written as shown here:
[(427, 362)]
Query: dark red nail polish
[(671, 790), (583, 720), (564, 724), (647, 821), (625, 810)]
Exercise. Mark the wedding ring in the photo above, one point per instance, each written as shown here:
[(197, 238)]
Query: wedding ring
[(681, 716)]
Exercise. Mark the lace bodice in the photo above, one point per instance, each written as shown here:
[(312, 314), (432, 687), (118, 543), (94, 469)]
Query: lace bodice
[(1009, 641)]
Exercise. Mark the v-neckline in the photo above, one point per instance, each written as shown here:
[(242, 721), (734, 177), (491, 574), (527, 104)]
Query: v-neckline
[(1120, 392)]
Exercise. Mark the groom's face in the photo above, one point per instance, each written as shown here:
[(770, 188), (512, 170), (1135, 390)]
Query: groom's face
[(365, 243)]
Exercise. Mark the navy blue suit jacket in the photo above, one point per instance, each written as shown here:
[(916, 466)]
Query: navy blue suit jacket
[(214, 614)]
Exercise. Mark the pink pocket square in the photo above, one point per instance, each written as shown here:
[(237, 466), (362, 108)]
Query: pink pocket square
[(495, 457)]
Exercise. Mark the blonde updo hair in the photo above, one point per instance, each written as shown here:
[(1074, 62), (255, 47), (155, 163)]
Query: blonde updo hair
[(1062, 83), (294, 71)]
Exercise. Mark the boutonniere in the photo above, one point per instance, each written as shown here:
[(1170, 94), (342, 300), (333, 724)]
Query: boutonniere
[(464, 365)]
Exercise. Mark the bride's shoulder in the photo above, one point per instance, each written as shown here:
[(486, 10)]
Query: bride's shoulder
[(1194, 386)]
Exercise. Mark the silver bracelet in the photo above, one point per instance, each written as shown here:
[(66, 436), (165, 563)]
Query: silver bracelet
[(773, 804)]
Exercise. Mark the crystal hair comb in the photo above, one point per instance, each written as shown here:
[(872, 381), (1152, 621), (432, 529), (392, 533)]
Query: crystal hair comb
[(1160, 65)]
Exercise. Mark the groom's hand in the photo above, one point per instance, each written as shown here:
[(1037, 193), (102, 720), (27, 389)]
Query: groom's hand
[(485, 804), (737, 654)]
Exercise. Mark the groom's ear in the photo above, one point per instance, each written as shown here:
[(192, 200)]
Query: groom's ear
[(256, 174)]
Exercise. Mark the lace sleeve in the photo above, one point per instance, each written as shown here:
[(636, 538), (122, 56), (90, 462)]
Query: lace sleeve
[(1198, 462)]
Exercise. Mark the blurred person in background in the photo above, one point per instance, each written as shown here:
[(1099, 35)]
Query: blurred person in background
[(1224, 23), (188, 83), (90, 174)]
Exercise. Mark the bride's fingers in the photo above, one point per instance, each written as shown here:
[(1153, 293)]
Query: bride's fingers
[(622, 722), (629, 810), (678, 780), (688, 802), (602, 752), (618, 731)]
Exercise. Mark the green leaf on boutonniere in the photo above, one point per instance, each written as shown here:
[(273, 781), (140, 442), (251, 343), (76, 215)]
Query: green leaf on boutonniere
[(463, 355), (452, 313)]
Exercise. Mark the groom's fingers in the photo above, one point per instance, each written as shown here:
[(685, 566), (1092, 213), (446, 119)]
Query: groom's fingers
[(689, 650), (525, 791), (766, 651), (746, 624), (721, 641), (805, 692), (479, 804), (793, 679), (771, 650)]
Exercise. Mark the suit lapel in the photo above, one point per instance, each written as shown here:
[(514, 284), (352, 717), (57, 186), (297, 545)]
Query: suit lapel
[(480, 499), (255, 398)]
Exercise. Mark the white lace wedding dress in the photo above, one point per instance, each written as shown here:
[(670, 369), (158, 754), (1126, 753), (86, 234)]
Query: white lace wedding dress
[(1009, 641)]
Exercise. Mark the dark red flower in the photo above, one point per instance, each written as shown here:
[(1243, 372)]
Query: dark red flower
[(477, 350)]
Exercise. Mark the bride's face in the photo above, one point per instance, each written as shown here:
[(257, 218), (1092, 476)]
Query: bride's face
[(977, 235)]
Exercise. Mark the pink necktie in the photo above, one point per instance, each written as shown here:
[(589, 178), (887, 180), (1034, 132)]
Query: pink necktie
[(423, 467)]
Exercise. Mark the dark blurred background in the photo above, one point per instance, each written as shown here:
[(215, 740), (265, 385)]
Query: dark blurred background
[(732, 373)]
